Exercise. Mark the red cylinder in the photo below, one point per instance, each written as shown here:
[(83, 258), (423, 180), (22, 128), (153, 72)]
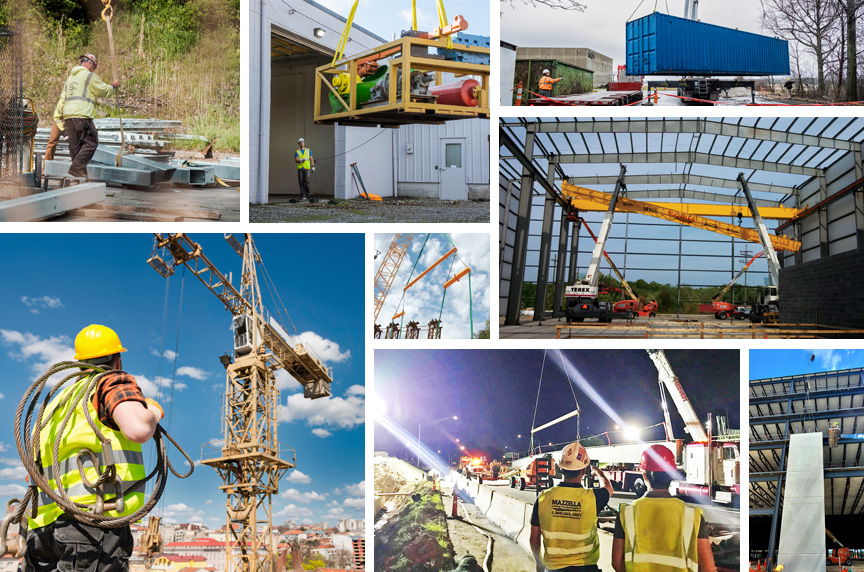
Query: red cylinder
[(693, 491), (460, 93)]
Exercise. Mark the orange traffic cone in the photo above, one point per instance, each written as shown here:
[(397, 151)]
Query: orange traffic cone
[(656, 97), (455, 512)]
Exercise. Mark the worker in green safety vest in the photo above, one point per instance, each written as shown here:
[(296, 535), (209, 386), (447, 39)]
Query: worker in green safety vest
[(564, 520), (305, 165), (55, 541), (82, 88), (659, 533)]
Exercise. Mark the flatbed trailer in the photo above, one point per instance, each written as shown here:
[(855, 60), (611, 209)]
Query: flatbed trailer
[(705, 90), (600, 98)]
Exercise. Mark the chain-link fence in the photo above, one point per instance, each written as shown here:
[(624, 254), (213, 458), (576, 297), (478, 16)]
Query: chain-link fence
[(11, 108)]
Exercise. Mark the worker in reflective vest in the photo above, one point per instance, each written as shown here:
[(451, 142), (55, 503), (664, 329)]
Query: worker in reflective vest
[(56, 129), (546, 82), (305, 165), (659, 533), (80, 93), (564, 522), (55, 541)]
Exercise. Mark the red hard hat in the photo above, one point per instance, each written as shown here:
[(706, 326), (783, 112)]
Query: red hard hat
[(658, 458)]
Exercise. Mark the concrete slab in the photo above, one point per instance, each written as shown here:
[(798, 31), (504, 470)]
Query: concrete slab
[(803, 506), (44, 205)]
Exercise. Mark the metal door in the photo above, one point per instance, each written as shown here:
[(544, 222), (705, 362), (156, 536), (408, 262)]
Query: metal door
[(453, 185)]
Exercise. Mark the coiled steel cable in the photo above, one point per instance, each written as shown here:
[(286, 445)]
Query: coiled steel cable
[(29, 450)]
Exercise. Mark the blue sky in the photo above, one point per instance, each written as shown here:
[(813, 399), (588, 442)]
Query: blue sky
[(777, 363), (63, 282), (426, 300), (388, 17)]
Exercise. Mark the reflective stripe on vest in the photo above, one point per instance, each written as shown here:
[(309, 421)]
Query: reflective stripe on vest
[(70, 97), (78, 436), (568, 527), (303, 155), (645, 534), (546, 82)]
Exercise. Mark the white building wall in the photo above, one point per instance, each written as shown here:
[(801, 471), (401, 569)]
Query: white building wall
[(508, 74), (422, 165), (372, 150)]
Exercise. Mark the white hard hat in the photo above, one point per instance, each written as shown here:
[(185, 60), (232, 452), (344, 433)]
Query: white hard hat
[(545, 71), (574, 457), (301, 140)]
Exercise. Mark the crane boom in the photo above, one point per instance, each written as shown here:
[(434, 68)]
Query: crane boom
[(389, 267), (593, 274), (674, 215), (611, 264), (673, 386), (764, 236), (737, 276)]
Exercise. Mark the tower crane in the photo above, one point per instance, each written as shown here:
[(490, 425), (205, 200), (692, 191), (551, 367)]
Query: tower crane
[(252, 460), (389, 267)]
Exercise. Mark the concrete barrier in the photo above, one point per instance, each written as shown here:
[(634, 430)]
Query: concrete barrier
[(484, 498), (513, 516)]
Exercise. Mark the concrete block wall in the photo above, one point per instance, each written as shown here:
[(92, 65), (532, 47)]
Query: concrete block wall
[(825, 291)]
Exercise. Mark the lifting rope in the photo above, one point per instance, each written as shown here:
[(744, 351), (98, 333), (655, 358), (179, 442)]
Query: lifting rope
[(28, 450), (577, 411)]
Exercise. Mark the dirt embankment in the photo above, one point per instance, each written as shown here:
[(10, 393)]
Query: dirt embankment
[(413, 536)]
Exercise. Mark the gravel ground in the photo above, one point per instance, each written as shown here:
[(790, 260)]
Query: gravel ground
[(361, 210)]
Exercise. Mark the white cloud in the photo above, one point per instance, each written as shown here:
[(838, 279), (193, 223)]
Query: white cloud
[(344, 413), (43, 302), (298, 477), (357, 490), (3, 447), (292, 511), (356, 390), (322, 433), (168, 354), (13, 474), (193, 372), (297, 496), (182, 512), (159, 388), (12, 490), (327, 350), (209, 501), (2, 396), (197, 462), (828, 359), (43, 352), (11, 462), (355, 502)]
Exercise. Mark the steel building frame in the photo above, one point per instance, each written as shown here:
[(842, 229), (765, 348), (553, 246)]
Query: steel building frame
[(782, 406), (790, 162)]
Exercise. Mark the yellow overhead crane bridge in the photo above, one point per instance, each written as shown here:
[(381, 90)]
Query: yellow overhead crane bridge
[(369, 89), (252, 460), (686, 214)]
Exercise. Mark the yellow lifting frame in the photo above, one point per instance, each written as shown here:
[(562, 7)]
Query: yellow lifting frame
[(664, 212)]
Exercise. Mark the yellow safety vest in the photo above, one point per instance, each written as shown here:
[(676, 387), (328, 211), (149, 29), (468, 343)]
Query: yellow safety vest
[(82, 89), (58, 111), (660, 535), (568, 527), (78, 435), (303, 155)]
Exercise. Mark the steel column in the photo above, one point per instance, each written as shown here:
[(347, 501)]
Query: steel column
[(573, 272), (505, 219), (562, 264), (520, 244), (545, 251)]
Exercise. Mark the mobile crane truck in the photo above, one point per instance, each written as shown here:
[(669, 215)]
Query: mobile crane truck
[(767, 306)]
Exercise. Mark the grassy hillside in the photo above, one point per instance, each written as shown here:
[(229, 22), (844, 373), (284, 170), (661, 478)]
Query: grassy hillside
[(175, 59)]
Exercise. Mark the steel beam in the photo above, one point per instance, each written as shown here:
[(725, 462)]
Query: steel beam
[(523, 222), (676, 179), (51, 203), (195, 176), (700, 196), (777, 444), (545, 253), (685, 157), (773, 213), (838, 392), (696, 126), (814, 415), (799, 378), (108, 156), (122, 175)]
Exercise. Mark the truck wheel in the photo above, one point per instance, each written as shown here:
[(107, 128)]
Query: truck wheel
[(828, 561), (512, 482), (722, 315), (630, 315), (717, 315), (848, 562), (521, 484), (639, 487)]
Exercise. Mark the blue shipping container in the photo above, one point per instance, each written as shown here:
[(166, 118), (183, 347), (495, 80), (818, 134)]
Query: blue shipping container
[(661, 44)]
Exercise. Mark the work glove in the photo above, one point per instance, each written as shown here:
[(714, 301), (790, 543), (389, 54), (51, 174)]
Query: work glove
[(313, 169), (153, 406)]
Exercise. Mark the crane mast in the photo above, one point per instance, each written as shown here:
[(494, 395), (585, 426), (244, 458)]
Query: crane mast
[(593, 275), (389, 267), (764, 236), (252, 460), (668, 379)]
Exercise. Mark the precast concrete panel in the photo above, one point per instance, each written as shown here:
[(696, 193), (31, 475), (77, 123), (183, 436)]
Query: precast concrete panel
[(802, 544), (508, 72)]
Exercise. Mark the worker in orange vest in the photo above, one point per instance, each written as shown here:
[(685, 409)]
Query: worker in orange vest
[(546, 82)]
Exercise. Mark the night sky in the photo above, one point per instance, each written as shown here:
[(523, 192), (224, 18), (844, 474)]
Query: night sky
[(493, 394)]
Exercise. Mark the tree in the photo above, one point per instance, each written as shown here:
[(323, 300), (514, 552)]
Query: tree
[(554, 4), (850, 9), (483, 334)]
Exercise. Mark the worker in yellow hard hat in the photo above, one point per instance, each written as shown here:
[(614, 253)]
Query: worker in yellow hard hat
[(82, 88), (658, 532), (564, 520), (546, 82), (126, 419)]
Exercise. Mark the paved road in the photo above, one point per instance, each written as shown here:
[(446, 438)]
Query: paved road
[(727, 518)]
